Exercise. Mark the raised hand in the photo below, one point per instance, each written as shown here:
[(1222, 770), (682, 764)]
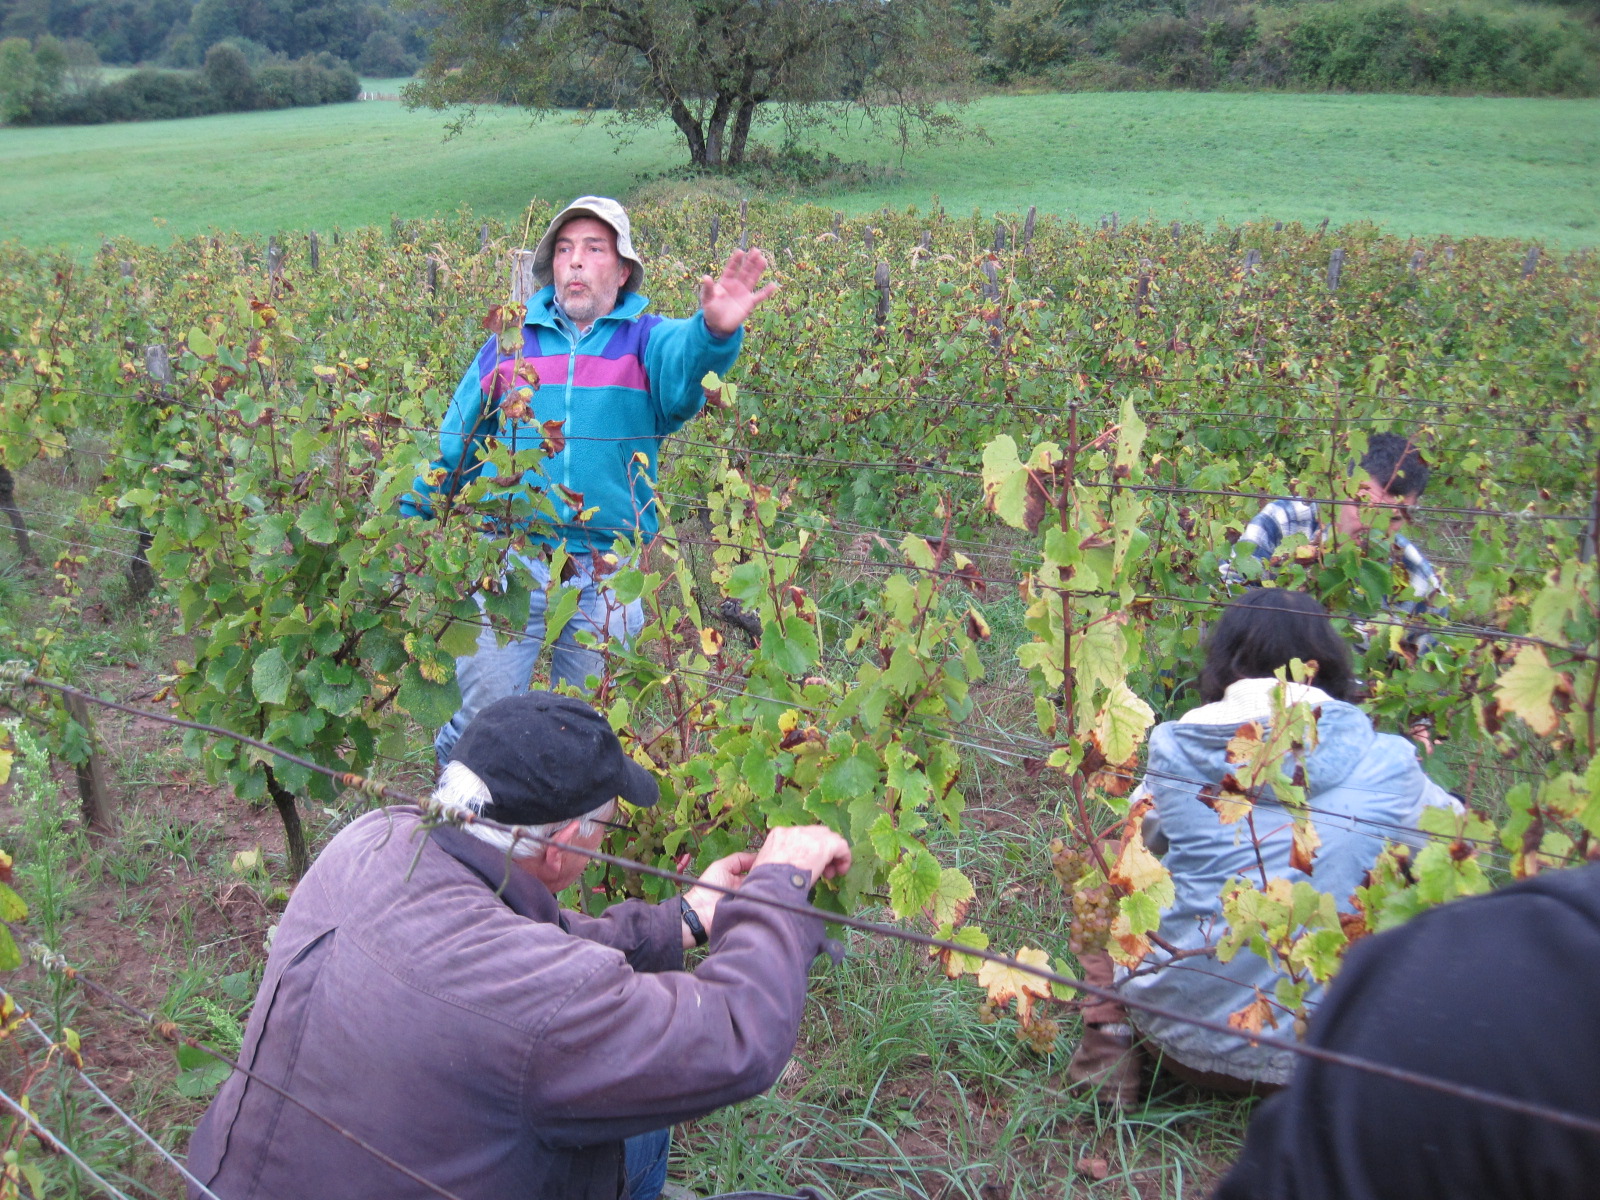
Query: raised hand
[(728, 301)]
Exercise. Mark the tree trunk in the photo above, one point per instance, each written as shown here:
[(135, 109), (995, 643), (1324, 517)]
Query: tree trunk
[(294, 838), (8, 505), (716, 127), (741, 129), (661, 84)]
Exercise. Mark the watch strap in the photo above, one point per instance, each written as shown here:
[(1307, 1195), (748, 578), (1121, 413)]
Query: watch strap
[(692, 920)]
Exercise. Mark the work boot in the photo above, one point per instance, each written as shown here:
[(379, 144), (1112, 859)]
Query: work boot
[(1106, 1066)]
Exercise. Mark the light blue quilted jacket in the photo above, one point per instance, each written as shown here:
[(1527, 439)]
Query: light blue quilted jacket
[(1366, 788)]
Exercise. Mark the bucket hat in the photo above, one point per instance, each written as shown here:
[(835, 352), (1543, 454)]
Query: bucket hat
[(601, 208)]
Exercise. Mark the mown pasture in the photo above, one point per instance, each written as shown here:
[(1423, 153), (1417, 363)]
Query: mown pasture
[(1413, 164)]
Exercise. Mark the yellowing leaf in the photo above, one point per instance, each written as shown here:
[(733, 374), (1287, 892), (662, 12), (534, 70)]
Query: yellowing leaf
[(12, 906), (247, 861), (1527, 687), (1122, 722), (1305, 844), (956, 964), (1137, 870), (1254, 1016), (1005, 983), (977, 627), (1126, 946), (710, 642), (954, 897)]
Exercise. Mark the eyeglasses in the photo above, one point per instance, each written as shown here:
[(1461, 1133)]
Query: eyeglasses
[(622, 825)]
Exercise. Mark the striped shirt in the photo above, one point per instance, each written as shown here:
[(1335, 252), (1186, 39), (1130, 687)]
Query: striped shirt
[(1290, 517)]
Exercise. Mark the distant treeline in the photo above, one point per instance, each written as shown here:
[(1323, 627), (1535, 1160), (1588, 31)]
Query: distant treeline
[(39, 86), (1347, 45), (367, 34)]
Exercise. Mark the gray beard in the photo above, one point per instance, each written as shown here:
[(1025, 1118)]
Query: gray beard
[(582, 311)]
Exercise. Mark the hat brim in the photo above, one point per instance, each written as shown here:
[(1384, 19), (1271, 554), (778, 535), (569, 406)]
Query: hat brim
[(639, 787)]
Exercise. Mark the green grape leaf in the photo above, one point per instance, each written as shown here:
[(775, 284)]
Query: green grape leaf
[(319, 522), (913, 883), (270, 677), (431, 704), (849, 777)]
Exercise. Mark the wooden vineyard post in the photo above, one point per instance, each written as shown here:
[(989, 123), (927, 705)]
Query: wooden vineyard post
[(483, 238), (1335, 267), (1141, 294), (522, 284), (716, 227), (8, 505), (1591, 535), (991, 293), (141, 579), (1027, 228), (744, 224), (99, 809), (1177, 231), (1416, 262), (880, 280), (1530, 263), (275, 258), (1000, 240), (1252, 261), (316, 253), (868, 240)]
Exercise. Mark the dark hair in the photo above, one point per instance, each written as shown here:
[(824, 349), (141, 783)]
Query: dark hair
[(1265, 628), (1395, 465)]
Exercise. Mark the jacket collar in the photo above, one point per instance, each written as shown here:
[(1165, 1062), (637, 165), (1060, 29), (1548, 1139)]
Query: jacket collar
[(520, 891)]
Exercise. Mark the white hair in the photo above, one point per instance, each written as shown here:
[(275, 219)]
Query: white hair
[(460, 791)]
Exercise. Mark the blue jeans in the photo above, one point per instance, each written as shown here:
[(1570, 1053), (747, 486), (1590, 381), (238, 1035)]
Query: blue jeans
[(494, 672), (645, 1158)]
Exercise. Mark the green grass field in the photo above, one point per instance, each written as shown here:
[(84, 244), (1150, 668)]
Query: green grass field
[(1414, 164)]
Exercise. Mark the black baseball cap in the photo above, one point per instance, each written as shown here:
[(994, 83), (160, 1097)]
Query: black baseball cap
[(548, 758)]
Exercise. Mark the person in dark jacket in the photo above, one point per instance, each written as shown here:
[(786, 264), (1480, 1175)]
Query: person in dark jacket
[(1496, 992), (425, 992), (599, 381)]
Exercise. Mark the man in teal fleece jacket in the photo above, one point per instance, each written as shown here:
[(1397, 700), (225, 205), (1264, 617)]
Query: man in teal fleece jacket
[(600, 382)]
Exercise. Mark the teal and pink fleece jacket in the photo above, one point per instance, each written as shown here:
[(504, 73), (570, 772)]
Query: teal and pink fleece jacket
[(616, 392)]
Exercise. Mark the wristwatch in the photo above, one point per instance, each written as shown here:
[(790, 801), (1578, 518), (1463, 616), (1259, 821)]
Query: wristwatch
[(692, 920)]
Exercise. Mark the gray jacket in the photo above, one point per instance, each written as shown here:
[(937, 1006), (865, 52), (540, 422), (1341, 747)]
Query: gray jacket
[(495, 1044)]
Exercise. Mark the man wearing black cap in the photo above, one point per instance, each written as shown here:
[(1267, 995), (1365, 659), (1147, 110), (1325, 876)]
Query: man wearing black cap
[(614, 379), (425, 992)]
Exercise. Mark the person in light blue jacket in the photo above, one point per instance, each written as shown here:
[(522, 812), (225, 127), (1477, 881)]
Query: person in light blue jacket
[(1365, 788), (598, 381)]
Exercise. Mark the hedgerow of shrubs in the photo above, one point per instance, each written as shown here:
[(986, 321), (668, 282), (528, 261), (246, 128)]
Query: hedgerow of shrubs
[(1457, 46), (227, 83)]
